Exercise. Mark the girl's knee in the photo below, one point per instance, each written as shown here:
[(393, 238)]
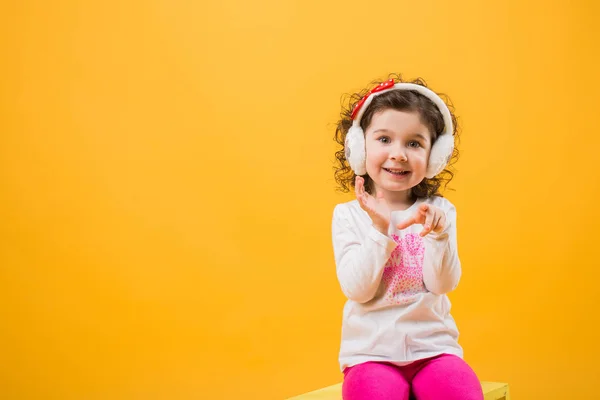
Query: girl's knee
[(447, 377), (374, 381)]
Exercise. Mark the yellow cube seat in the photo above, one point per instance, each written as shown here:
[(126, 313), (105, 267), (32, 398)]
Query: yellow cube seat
[(491, 391)]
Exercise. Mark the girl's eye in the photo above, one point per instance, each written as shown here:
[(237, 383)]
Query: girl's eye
[(384, 139), (414, 144)]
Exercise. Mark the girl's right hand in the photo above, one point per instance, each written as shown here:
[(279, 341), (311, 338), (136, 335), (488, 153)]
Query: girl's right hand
[(376, 207)]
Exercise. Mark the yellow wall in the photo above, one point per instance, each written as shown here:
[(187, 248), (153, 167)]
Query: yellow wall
[(166, 190)]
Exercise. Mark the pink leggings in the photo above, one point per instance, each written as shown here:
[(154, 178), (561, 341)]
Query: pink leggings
[(445, 377)]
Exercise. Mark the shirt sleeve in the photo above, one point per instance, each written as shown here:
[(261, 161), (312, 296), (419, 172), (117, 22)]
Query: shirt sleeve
[(360, 256), (441, 264)]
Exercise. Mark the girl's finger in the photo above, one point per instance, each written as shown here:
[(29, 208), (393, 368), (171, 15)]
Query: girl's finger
[(360, 195), (436, 225), (360, 187), (428, 222), (442, 223), (367, 199), (407, 222), (359, 184), (362, 202)]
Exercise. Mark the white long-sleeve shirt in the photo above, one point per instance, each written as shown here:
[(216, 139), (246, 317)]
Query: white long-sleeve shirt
[(397, 309)]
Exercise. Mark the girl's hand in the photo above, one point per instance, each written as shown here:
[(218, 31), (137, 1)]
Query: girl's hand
[(432, 218), (376, 207)]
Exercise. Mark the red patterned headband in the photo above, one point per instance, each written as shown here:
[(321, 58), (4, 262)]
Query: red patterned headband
[(382, 86)]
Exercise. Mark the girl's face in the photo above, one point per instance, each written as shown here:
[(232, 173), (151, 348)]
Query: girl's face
[(397, 147)]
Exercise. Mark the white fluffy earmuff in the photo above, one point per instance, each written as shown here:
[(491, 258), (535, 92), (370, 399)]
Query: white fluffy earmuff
[(442, 148)]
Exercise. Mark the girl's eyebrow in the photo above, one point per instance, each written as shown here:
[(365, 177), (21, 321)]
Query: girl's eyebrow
[(421, 136)]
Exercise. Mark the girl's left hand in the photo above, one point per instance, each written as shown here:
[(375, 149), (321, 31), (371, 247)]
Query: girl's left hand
[(432, 218)]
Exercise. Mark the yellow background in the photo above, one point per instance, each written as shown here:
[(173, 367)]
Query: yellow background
[(166, 190)]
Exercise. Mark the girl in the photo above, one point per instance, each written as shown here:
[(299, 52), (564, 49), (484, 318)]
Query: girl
[(395, 248)]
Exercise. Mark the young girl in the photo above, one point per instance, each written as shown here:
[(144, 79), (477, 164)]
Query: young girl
[(395, 248)]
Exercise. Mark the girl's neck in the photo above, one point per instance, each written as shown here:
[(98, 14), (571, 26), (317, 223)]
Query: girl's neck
[(397, 201)]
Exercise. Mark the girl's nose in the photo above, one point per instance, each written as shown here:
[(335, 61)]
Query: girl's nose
[(398, 154)]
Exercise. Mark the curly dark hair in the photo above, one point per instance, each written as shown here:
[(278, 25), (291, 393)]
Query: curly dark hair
[(400, 100)]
